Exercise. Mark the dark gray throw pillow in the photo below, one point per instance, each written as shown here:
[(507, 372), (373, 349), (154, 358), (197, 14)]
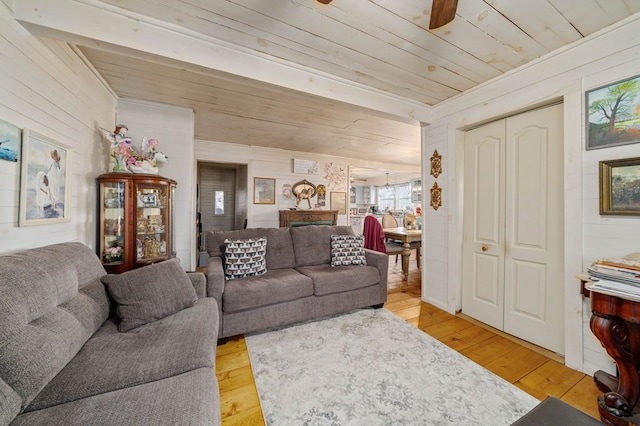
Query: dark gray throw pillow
[(150, 293)]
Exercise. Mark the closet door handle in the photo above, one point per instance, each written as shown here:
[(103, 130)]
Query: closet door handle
[(485, 248)]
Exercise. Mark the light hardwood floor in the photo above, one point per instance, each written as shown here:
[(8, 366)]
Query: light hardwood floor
[(528, 367)]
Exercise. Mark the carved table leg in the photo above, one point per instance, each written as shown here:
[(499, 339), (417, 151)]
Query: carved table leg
[(406, 253), (614, 334)]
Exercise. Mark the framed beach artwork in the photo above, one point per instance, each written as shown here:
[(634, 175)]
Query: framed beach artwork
[(620, 187), (45, 180), (9, 141), (613, 114)]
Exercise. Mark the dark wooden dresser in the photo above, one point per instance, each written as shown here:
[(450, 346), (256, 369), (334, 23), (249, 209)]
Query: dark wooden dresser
[(291, 218)]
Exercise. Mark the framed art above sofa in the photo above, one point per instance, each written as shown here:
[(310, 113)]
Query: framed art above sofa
[(45, 180)]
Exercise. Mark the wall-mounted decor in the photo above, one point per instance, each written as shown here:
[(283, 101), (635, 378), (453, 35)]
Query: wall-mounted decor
[(339, 202), (613, 114), (620, 187), (321, 190), (306, 166), (264, 190), (45, 181), (286, 190), (436, 164), (336, 177), (436, 196), (303, 190), (9, 141)]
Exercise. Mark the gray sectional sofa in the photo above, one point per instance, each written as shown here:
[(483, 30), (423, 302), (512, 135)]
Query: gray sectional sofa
[(65, 358), (299, 283)]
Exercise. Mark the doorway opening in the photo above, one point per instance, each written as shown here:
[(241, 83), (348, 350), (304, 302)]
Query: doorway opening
[(221, 200)]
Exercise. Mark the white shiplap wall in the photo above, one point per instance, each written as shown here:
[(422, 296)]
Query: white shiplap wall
[(606, 57), (271, 163), (173, 128), (46, 87)]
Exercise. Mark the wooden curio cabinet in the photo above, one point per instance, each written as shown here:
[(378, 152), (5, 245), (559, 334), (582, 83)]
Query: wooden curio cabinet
[(135, 220)]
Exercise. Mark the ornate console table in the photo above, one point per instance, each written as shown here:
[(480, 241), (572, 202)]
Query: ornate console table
[(615, 321), (291, 218)]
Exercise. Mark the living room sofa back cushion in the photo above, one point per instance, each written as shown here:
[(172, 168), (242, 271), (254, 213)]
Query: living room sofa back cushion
[(279, 246), (51, 302), (313, 243)]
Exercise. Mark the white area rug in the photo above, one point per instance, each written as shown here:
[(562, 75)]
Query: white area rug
[(369, 367)]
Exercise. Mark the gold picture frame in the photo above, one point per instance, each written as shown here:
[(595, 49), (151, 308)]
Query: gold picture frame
[(339, 202), (264, 190), (620, 187)]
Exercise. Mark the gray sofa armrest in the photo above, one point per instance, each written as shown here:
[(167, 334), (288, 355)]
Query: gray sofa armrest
[(215, 283), (215, 279), (199, 282), (380, 261)]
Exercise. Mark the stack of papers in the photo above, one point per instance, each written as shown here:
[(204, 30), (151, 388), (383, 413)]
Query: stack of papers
[(618, 277), (614, 288)]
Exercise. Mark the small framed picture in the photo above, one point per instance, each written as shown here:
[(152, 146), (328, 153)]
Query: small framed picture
[(339, 202), (45, 181), (150, 200), (620, 187), (613, 114), (264, 190)]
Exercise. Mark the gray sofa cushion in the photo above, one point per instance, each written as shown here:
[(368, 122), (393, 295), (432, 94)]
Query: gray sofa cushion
[(186, 399), (276, 286), (10, 403), (150, 293), (279, 246), (312, 243), (328, 279), (51, 302), (111, 360)]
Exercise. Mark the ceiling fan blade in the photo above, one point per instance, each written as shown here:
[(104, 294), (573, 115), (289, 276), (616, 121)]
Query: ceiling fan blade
[(325, 1), (442, 12)]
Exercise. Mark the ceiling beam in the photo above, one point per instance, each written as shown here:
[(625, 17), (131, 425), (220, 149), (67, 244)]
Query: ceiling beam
[(99, 25)]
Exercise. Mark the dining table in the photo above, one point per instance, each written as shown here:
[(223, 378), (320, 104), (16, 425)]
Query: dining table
[(406, 236)]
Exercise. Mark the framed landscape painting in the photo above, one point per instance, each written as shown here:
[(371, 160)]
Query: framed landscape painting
[(45, 180), (620, 187), (613, 114)]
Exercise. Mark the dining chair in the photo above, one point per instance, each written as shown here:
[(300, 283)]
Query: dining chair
[(410, 221), (374, 238), (389, 221)]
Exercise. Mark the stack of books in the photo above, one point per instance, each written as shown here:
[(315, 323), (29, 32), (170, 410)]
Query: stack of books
[(619, 277)]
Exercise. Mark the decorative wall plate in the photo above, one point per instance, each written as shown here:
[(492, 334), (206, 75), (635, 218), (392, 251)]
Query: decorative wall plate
[(436, 164), (436, 196), (286, 190)]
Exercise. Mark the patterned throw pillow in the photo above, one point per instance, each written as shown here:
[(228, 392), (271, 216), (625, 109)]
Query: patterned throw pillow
[(347, 250), (245, 258)]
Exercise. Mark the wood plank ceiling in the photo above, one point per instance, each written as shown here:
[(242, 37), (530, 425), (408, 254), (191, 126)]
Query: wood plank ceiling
[(381, 45)]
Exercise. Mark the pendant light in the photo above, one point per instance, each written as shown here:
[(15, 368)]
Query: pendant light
[(387, 185)]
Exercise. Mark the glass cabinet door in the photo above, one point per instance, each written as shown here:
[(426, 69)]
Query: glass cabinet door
[(152, 222), (112, 243)]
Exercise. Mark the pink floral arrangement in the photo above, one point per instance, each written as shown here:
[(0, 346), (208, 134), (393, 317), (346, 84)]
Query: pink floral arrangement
[(125, 156), (113, 254)]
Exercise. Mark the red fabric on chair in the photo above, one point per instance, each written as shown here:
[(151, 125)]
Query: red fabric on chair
[(373, 235)]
